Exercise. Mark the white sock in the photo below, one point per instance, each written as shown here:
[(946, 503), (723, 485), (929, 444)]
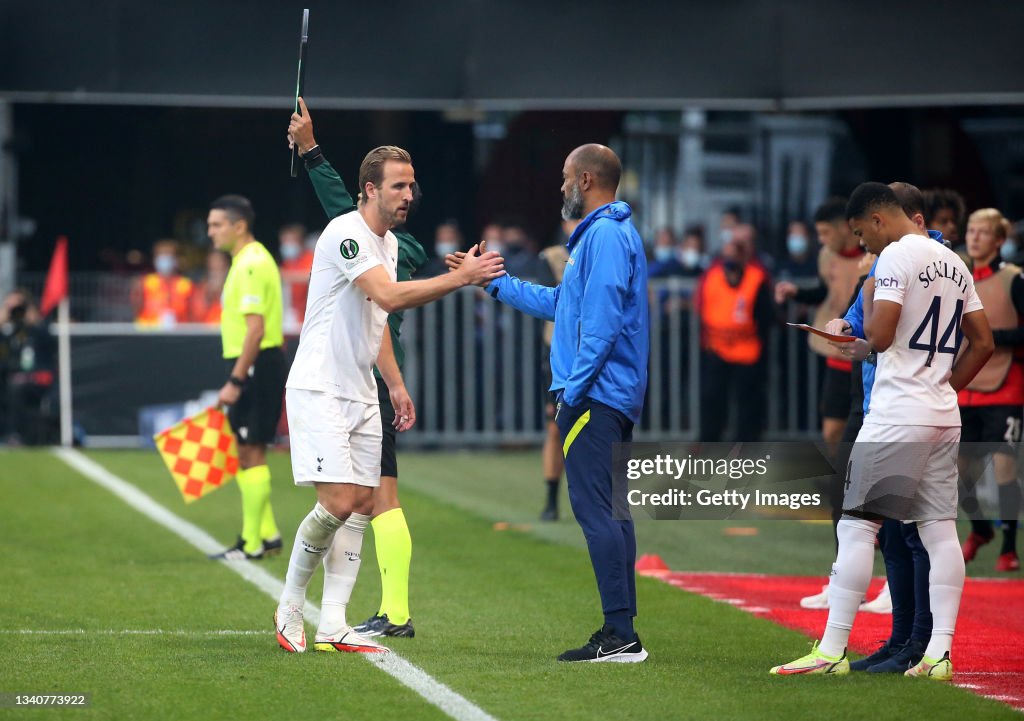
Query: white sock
[(851, 576), (341, 566), (945, 582), (311, 542)]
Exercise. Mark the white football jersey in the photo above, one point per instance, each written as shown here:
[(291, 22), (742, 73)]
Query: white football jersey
[(343, 329), (935, 288)]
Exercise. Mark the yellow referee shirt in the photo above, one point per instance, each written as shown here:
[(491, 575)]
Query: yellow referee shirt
[(253, 286)]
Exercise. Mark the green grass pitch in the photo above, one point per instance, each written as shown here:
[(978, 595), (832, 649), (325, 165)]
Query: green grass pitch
[(492, 609)]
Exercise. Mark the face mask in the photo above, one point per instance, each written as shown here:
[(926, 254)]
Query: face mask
[(663, 253), (443, 249), (726, 235), (290, 251), (165, 264), (1008, 250), (494, 246), (796, 244), (689, 257)]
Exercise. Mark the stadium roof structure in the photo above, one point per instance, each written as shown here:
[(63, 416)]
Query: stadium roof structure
[(517, 54)]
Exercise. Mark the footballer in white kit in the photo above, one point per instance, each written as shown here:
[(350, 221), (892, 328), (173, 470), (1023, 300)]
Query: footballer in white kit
[(333, 407), (903, 464)]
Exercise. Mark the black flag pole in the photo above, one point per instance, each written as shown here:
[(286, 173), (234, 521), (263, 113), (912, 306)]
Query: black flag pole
[(299, 81)]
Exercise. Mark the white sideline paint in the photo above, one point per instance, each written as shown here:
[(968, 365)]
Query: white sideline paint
[(433, 691), (127, 632)]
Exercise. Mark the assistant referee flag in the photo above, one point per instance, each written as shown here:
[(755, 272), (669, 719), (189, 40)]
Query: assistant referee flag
[(200, 452)]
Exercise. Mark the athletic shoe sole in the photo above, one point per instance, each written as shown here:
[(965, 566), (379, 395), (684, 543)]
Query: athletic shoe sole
[(620, 658), (337, 647), (942, 671)]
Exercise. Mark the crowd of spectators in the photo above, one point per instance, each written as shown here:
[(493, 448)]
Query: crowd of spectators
[(693, 275)]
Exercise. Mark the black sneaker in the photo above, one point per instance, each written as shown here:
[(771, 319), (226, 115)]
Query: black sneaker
[(236, 553), (905, 657), (272, 547), (884, 653), (380, 625), (603, 646), (550, 513)]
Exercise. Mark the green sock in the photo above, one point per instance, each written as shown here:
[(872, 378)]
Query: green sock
[(394, 554), (254, 483)]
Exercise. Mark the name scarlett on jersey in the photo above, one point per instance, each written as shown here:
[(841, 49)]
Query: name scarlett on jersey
[(932, 273)]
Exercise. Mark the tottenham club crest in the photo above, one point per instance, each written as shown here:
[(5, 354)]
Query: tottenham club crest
[(349, 249)]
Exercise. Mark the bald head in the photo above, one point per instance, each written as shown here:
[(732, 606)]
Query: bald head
[(590, 178), (600, 162)]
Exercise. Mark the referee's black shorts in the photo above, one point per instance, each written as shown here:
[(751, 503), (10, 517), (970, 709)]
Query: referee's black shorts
[(388, 459), (255, 416)]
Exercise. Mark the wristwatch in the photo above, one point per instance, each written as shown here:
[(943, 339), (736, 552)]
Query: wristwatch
[(236, 382)]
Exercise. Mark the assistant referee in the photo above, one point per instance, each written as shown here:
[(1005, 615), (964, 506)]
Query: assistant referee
[(251, 337)]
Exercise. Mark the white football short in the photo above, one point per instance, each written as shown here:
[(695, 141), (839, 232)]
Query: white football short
[(907, 473), (333, 440)]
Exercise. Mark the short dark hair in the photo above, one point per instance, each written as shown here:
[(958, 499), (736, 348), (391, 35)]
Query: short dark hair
[(937, 199), (867, 197), (832, 210), (910, 196), (237, 208)]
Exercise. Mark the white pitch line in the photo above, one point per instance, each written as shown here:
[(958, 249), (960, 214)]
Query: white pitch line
[(127, 632), (433, 691)]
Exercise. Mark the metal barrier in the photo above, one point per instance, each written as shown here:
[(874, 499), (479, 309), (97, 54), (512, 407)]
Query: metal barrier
[(475, 369)]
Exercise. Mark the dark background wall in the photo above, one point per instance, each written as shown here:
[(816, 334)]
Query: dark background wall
[(131, 115), (526, 53)]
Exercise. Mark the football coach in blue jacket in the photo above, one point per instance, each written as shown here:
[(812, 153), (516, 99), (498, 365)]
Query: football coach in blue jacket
[(599, 369)]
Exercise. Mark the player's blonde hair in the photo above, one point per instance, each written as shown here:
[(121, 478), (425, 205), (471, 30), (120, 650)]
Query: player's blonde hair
[(1000, 225), (372, 168)]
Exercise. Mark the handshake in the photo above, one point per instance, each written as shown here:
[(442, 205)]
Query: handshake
[(477, 255)]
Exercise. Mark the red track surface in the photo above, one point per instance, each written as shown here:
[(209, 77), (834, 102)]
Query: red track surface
[(987, 650)]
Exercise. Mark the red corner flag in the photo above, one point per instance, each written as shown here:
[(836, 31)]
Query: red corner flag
[(56, 288)]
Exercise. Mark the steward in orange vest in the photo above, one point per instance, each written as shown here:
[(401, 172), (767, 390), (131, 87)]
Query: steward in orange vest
[(735, 311), (165, 294)]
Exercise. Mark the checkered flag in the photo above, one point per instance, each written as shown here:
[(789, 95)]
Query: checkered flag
[(200, 452)]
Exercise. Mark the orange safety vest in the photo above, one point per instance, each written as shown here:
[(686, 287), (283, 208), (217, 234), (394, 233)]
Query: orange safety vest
[(728, 328), (204, 310), (163, 298)]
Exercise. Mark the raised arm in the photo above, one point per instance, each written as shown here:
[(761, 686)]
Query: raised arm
[(329, 187)]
